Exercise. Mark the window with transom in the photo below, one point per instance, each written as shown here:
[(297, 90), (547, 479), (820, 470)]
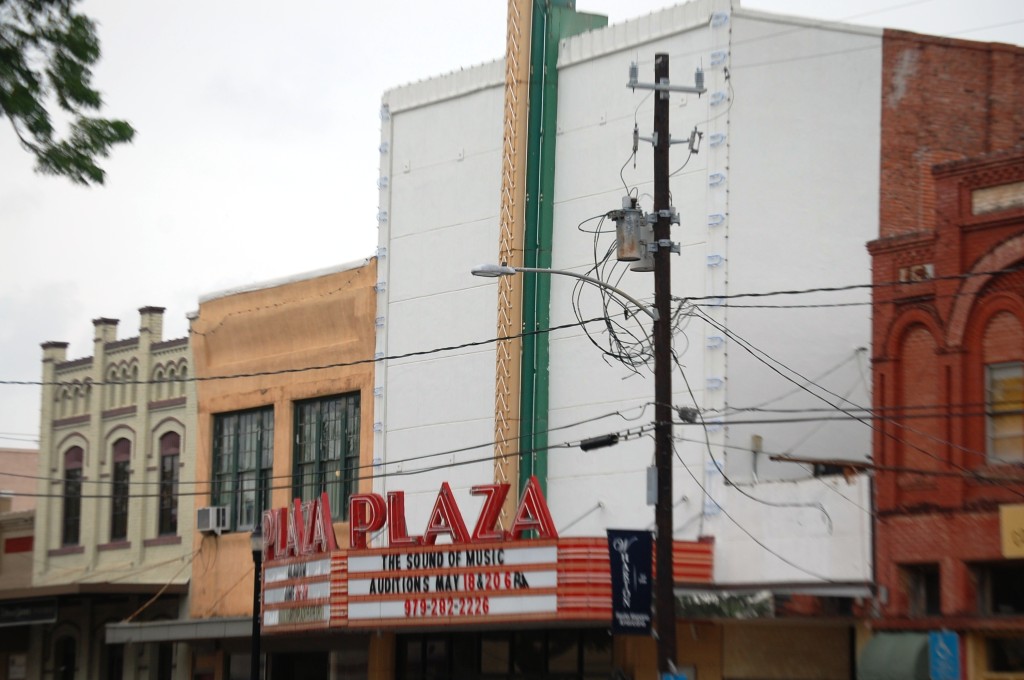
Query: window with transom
[(327, 449), (243, 459)]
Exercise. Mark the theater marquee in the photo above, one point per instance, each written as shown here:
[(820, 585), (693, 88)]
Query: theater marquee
[(481, 575)]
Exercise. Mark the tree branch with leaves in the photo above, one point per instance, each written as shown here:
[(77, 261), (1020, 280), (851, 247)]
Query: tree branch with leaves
[(46, 54)]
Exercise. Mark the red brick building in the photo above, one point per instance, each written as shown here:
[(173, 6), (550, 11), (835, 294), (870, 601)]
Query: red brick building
[(948, 336)]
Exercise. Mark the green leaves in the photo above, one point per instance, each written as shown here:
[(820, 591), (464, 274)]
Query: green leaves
[(46, 55), (75, 157)]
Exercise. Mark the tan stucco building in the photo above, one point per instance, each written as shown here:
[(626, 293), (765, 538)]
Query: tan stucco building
[(284, 373)]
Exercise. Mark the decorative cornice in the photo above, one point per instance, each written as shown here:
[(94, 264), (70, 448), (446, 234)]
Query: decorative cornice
[(66, 550), (162, 540), (901, 241), (168, 344), (74, 363), (167, 403), (114, 545), (117, 412), (118, 344), (73, 420)]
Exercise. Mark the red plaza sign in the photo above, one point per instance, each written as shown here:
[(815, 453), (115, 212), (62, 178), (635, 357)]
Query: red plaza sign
[(370, 512)]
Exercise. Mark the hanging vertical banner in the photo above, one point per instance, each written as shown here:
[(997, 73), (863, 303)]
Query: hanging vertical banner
[(630, 559), (943, 655)]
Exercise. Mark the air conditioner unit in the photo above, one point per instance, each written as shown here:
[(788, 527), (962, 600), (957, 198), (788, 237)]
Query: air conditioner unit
[(212, 520)]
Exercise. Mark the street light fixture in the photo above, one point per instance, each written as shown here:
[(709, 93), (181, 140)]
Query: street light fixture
[(496, 270), (661, 339)]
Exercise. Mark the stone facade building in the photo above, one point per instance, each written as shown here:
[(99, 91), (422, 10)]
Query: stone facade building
[(113, 528)]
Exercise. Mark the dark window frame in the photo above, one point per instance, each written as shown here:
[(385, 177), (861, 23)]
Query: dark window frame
[(165, 660), (113, 661), (71, 513), (65, 657), (170, 457), (242, 464), (326, 447), (1004, 654), (1000, 588), (924, 589), (121, 458), (1004, 412)]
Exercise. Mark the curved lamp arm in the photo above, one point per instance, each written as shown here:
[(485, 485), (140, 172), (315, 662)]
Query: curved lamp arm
[(495, 270)]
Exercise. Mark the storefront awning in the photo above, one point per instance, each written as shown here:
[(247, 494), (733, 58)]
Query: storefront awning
[(100, 588), (832, 589), (27, 612), (187, 629), (895, 656)]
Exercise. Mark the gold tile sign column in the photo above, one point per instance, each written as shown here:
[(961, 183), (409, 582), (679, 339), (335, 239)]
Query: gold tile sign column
[(510, 249)]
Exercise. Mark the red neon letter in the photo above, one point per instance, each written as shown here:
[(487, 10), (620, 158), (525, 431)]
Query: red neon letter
[(366, 514), (486, 525), (533, 513), (274, 532), (445, 518), (320, 530), (294, 542), (397, 533)]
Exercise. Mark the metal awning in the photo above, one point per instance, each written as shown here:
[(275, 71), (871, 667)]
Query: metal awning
[(831, 589), (27, 612), (99, 588), (895, 656), (173, 631)]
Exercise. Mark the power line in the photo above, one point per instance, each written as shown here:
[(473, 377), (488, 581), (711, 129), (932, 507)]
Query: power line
[(757, 354), (772, 456), (623, 435), (924, 472), (847, 415), (356, 468), (304, 369), (713, 300), (25, 438), (741, 491), (853, 286), (746, 531)]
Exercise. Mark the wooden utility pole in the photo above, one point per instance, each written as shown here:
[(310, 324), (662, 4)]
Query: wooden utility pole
[(664, 592)]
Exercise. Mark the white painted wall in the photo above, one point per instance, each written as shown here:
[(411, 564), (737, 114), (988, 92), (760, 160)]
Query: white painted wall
[(804, 186), (442, 162), (798, 159)]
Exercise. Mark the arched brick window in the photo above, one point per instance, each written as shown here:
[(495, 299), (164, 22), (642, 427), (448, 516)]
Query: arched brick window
[(920, 394)]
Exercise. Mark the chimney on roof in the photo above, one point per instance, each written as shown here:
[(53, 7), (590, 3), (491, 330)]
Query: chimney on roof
[(105, 330), (55, 352), (151, 322)]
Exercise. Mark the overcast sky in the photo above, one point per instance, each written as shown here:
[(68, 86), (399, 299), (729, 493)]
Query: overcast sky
[(256, 155)]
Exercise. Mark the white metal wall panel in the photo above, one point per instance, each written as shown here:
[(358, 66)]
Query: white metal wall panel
[(793, 202)]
